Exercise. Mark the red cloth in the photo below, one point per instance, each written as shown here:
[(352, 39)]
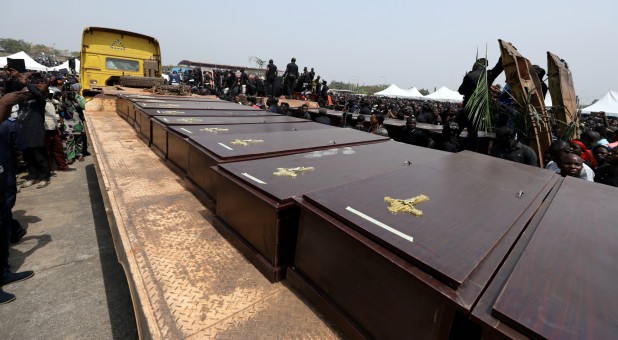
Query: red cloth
[(586, 154)]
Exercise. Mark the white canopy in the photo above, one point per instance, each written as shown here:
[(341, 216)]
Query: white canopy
[(414, 93), (446, 95), (31, 64), (608, 104), (548, 102), (65, 65), (393, 91)]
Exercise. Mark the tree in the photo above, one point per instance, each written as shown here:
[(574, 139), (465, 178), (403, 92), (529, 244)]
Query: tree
[(13, 45), (424, 92)]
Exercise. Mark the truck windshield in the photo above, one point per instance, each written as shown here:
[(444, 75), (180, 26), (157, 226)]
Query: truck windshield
[(121, 64)]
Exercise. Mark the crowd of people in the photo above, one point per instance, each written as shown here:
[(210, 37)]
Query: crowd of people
[(227, 83), (590, 156), (42, 123), (42, 131)]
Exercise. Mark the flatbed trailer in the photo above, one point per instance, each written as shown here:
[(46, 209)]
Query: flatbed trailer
[(185, 279)]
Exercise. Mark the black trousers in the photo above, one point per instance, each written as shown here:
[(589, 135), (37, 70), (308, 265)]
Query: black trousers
[(270, 86), (5, 226), (36, 160)]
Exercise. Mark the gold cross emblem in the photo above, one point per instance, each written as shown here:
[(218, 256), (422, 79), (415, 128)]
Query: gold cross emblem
[(189, 120), (292, 172), (245, 142), (214, 130), (171, 112), (407, 206)]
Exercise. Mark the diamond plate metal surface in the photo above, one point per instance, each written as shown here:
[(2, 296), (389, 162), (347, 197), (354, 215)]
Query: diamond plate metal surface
[(186, 280)]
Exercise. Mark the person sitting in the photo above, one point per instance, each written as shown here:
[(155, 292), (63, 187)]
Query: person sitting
[(321, 117), (284, 109), (411, 135), (304, 112), (272, 104), (608, 173), (360, 123), (377, 125), (507, 147)]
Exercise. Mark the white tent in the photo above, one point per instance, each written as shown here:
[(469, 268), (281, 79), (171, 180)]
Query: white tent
[(548, 102), (65, 65), (393, 91), (414, 93), (445, 94), (31, 64), (608, 104)]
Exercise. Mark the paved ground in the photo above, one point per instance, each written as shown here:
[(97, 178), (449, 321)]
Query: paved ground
[(79, 290)]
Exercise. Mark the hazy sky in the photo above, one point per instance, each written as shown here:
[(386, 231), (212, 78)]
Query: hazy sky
[(409, 43)]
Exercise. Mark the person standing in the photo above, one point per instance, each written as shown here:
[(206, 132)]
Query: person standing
[(271, 75), (32, 117), (6, 275), (291, 74), (53, 144), (72, 127)]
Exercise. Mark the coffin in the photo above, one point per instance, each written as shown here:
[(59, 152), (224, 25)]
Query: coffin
[(264, 217), (177, 149), (208, 151), (386, 275), (161, 125), (558, 283), (144, 116)]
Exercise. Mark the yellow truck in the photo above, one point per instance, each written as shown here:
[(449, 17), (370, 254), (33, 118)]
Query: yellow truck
[(112, 57)]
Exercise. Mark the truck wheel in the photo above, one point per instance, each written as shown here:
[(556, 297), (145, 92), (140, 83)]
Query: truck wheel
[(143, 82)]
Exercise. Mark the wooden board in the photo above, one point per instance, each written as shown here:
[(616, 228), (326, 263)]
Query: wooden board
[(145, 116), (269, 220), (564, 100), (159, 135), (525, 87), (559, 283), (208, 151), (190, 105), (177, 148), (415, 268)]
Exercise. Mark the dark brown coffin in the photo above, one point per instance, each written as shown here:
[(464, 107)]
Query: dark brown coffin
[(161, 124), (208, 151), (125, 104), (268, 221), (145, 115), (190, 105), (386, 286), (559, 283), (177, 149)]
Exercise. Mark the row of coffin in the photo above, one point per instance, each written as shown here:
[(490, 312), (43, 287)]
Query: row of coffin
[(501, 249)]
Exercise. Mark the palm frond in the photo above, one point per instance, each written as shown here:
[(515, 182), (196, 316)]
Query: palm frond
[(479, 106)]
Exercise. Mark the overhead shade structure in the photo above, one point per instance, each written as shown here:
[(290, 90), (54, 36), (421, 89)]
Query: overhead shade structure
[(65, 65), (444, 94), (548, 102), (414, 93), (607, 104), (31, 64), (393, 91)]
